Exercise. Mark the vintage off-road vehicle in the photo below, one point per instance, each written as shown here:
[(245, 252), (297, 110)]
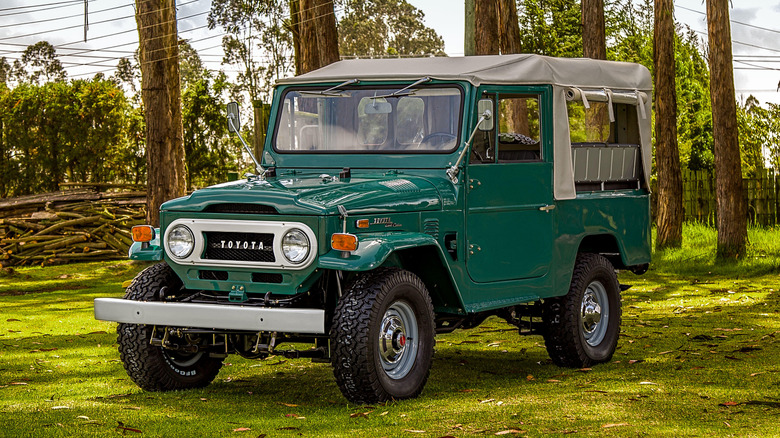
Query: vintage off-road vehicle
[(395, 200)]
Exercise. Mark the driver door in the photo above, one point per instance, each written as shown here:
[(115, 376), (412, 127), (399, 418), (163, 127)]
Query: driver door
[(510, 204)]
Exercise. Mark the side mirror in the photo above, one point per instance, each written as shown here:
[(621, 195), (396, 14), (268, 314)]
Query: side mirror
[(233, 117), (485, 109)]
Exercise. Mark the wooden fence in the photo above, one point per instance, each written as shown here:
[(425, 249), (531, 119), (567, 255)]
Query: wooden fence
[(761, 192)]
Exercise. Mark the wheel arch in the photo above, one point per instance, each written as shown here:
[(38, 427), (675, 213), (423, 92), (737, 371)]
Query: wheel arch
[(418, 253), (606, 245)]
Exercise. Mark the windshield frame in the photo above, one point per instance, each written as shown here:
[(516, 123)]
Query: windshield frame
[(391, 86)]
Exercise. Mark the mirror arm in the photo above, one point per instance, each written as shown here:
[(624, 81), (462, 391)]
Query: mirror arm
[(258, 167), (453, 171)]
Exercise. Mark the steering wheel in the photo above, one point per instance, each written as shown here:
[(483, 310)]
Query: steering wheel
[(436, 139)]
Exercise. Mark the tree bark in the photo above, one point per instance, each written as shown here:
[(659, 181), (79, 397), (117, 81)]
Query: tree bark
[(160, 92), (594, 43), (732, 211), (295, 28), (510, 42), (667, 154), (509, 27), (327, 35), (317, 42), (486, 34)]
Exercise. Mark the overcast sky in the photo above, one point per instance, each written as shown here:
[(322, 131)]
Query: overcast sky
[(112, 34)]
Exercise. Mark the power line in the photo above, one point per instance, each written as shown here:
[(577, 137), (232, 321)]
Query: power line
[(733, 21), (62, 18), (69, 2)]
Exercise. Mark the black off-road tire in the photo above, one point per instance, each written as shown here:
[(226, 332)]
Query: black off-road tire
[(154, 368), (571, 337), (366, 370)]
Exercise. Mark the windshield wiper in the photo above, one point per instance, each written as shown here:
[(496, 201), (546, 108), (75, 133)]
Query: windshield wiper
[(332, 91), (405, 91)]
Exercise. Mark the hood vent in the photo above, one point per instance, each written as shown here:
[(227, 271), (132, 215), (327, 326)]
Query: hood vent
[(400, 186), (236, 208)]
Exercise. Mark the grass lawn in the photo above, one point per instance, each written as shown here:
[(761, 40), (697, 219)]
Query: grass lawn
[(698, 356)]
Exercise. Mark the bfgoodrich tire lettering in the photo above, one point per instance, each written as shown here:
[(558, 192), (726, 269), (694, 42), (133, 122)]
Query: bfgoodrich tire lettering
[(382, 337), (155, 368), (582, 327)]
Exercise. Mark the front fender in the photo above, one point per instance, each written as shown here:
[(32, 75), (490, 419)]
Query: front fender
[(150, 252), (373, 250)]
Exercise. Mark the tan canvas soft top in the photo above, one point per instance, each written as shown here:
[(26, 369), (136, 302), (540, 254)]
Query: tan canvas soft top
[(568, 76)]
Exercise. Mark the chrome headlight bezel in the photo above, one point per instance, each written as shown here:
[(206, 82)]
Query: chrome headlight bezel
[(297, 237), (172, 236)]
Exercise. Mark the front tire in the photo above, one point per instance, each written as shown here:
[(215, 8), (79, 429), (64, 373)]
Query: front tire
[(382, 337), (582, 327), (156, 368)]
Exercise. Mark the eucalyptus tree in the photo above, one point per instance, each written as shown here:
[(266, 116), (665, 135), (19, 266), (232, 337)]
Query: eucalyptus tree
[(670, 200), (38, 64), (380, 28), (732, 209)]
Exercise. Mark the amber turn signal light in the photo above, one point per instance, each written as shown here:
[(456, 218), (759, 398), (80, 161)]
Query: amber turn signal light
[(143, 233), (344, 242), (362, 223)]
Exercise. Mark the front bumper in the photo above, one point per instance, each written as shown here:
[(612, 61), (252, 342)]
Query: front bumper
[(211, 316)]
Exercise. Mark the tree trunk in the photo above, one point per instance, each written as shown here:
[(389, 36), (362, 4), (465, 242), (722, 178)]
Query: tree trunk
[(667, 155), (732, 211), (317, 42), (594, 43), (161, 98), (509, 42), (509, 27), (327, 35), (486, 35), (295, 29), (310, 58)]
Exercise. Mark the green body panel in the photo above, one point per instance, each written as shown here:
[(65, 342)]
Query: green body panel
[(151, 252), (309, 193), (480, 244), (374, 249)]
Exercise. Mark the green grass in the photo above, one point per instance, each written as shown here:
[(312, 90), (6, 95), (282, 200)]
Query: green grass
[(698, 356)]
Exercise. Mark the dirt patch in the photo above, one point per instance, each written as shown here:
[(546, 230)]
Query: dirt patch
[(14, 293)]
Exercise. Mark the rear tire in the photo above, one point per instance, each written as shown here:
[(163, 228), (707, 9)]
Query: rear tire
[(156, 368), (382, 337), (582, 327)]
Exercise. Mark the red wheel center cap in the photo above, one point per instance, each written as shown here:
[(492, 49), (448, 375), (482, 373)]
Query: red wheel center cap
[(401, 340)]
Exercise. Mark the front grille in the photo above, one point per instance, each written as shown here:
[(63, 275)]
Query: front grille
[(247, 247), (238, 208), (263, 277)]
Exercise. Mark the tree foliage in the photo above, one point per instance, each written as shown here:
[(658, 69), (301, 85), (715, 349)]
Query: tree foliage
[(58, 131), (380, 28), (39, 64)]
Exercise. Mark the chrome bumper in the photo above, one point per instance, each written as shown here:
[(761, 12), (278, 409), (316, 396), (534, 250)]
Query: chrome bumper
[(212, 316)]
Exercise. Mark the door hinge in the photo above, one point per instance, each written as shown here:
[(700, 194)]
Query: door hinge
[(474, 183), (473, 248)]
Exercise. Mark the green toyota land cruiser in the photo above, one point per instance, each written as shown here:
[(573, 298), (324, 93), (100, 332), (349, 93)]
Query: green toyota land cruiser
[(396, 200)]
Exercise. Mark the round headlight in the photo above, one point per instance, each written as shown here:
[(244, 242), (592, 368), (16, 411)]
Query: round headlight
[(295, 246), (180, 241)]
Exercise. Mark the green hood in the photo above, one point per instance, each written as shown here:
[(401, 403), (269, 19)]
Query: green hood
[(314, 194)]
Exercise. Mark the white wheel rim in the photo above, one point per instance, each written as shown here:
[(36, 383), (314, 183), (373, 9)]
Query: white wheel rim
[(594, 313), (398, 340)]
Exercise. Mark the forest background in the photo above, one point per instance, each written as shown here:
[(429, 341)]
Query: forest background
[(54, 129)]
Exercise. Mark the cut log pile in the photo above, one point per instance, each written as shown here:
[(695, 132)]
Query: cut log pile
[(86, 222)]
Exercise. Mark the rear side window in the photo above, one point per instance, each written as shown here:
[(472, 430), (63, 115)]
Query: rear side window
[(605, 147)]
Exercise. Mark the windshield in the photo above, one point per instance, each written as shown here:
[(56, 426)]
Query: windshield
[(369, 120)]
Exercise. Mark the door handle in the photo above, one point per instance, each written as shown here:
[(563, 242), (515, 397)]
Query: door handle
[(547, 208)]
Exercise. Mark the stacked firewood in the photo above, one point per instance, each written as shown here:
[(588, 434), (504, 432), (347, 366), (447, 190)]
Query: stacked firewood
[(86, 222)]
